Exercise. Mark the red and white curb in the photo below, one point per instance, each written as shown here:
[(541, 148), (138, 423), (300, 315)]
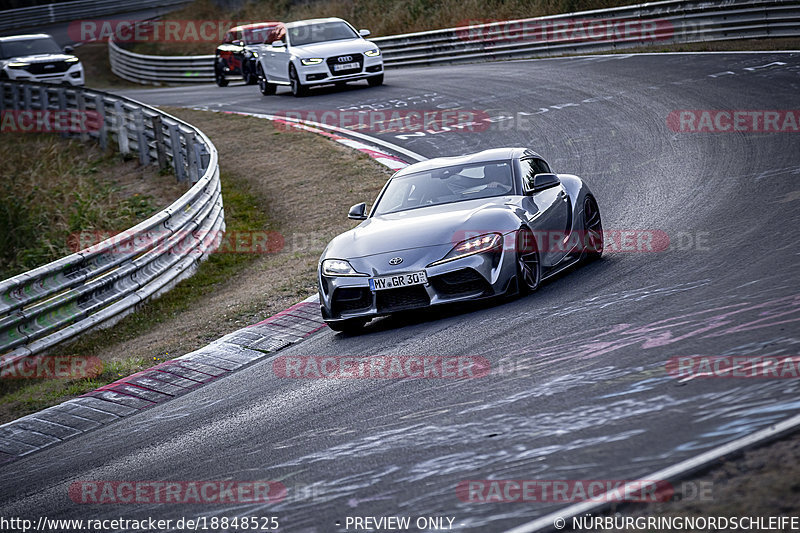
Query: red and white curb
[(161, 383)]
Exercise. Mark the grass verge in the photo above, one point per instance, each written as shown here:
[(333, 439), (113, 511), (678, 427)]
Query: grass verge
[(269, 183), (51, 188)]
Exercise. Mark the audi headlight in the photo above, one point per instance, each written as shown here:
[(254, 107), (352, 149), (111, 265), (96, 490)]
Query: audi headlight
[(339, 267), (475, 245), (311, 61), (372, 53), (71, 60)]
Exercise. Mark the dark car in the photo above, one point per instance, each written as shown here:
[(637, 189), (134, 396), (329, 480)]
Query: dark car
[(238, 53)]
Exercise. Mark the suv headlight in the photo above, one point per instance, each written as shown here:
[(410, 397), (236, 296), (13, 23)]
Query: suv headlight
[(18, 64), (372, 53), (71, 60), (311, 61), (338, 267), (475, 245)]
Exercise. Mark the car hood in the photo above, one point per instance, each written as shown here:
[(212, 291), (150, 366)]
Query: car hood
[(438, 225), (39, 58), (334, 48)]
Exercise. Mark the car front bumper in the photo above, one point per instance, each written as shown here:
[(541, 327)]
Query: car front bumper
[(72, 76), (321, 74), (469, 278)]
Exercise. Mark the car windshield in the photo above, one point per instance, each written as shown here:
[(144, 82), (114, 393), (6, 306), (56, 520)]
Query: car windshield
[(320, 32), (256, 35), (29, 47), (446, 185)]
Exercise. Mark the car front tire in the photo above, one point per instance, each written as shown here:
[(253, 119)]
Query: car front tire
[(298, 89), (529, 266), (219, 78), (374, 81), (248, 74), (264, 85)]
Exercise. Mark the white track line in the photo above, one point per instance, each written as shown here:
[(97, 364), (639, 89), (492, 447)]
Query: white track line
[(667, 474)]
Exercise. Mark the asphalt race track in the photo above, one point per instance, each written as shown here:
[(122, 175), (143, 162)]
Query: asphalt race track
[(585, 395)]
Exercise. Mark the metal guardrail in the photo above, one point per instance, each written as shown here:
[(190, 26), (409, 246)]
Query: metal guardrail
[(29, 17), (101, 284), (672, 21)]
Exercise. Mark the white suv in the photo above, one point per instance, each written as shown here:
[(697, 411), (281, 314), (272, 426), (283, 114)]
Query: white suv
[(318, 52), (37, 57)]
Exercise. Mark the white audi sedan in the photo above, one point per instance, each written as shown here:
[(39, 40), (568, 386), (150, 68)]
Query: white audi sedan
[(317, 52)]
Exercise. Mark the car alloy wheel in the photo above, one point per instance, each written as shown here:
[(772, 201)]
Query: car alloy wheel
[(529, 268), (593, 228)]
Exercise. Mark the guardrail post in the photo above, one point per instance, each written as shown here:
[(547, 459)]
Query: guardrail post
[(190, 156), (81, 104), (100, 107), (122, 129), (141, 138), (44, 101), (2, 96), (62, 104), (161, 149), (14, 96), (177, 153), (26, 96), (198, 157)]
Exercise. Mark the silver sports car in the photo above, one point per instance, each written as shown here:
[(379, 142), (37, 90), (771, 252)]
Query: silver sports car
[(458, 228)]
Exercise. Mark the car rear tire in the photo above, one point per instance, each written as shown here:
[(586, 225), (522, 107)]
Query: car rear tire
[(219, 78), (374, 81), (264, 85), (593, 230), (298, 89), (529, 267), (351, 325)]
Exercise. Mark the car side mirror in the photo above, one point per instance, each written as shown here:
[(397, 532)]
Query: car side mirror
[(358, 212), (364, 33), (545, 181), (278, 43), (68, 49)]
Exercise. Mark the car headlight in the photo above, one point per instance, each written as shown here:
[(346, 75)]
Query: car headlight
[(475, 245), (311, 61), (252, 53), (72, 60), (372, 53), (18, 64), (339, 267)]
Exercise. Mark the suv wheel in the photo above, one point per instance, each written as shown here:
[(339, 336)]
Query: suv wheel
[(219, 77)]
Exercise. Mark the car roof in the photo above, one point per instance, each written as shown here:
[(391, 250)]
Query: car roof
[(254, 26), (25, 37), (313, 21), (493, 154)]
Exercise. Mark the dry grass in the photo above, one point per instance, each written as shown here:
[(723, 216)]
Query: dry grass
[(762, 482), (51, 188), (295, 183), (386, 17)]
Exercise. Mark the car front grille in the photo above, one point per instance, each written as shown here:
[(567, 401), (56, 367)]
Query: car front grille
[(348, 299), (52, 67), (459, 283), (353, 58), (402, 298)]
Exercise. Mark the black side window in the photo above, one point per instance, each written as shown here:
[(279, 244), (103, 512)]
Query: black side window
[(531, 167)]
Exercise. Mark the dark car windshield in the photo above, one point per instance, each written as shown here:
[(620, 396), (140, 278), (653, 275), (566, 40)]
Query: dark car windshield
[(320, 32), (256, 35), (29, 47), (446, 185)]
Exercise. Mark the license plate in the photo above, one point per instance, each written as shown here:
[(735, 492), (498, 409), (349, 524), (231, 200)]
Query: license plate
[(346, 66), (398, 280)]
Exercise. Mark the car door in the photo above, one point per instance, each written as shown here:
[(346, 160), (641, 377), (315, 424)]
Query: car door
[(551, 211), (277, 61)]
